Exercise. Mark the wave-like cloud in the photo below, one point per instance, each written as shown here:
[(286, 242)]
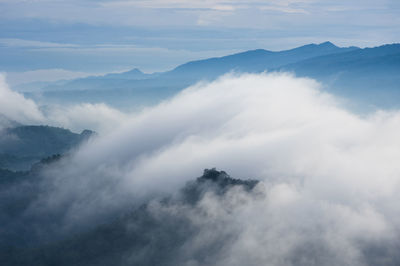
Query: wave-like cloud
[(330, 177), (272, 126)]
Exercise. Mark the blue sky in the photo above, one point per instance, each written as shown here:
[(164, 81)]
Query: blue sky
[(51, 39)]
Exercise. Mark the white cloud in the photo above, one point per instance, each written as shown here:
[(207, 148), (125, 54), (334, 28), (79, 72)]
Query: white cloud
[(272, 127), (15, 107), (33, 44), (330, 178), (228, 5), (98, 117)]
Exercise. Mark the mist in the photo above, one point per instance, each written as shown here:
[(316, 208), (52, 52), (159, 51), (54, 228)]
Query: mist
[(15, 108), (329, 177)]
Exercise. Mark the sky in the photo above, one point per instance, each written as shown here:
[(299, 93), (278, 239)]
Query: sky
[(45, 40)]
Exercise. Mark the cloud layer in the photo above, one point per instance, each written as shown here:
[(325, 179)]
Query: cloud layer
[(330, 178)]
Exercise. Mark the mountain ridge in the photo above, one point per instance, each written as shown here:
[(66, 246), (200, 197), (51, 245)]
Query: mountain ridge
[(260, 59), (137, 74), (339, 69), (22, 146)]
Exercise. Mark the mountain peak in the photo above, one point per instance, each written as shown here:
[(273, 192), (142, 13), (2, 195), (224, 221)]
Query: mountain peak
[(223, 180), (135, 71), (327, 44)]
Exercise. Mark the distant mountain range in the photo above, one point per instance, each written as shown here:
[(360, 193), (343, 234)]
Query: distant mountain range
[(254, 61), (370, 76), (22, 146)]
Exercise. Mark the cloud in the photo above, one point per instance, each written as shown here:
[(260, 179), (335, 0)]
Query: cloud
[(330, 178), (15, 107), (252, 24), (195, 4), (10, 42), (98, 117), (188, 12)]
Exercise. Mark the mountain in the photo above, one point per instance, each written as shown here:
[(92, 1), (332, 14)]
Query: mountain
[(22, 146), (5, 122), (206, 222), (134, 89), (369, 76), (250, 61), (148, 234), (108, 81), (92, 82), (253, 61), (131, 74)]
